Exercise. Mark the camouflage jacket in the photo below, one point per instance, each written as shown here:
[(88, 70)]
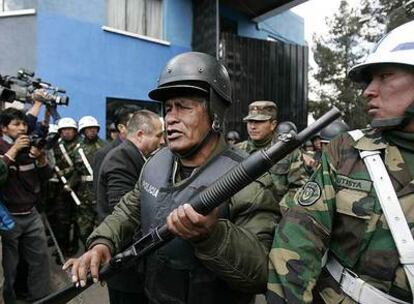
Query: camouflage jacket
[(81, 169), (241, 260), (288, 175), (338, 210), (66, 169), (250, 146)]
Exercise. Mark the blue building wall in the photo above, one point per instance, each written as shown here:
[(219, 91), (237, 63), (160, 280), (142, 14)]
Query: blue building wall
[(74, 53), (287, 26), (66, 45)]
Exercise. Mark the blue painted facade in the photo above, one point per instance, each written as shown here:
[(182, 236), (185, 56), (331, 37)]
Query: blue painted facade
[(287, 26), (68, 47), (92, 64)]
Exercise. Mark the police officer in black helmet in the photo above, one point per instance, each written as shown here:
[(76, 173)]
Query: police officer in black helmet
[(217, 258)]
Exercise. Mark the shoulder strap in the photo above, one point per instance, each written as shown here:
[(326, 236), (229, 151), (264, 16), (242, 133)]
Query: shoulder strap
[(65, 154), (85, 161), (356, 134), (391, 207)]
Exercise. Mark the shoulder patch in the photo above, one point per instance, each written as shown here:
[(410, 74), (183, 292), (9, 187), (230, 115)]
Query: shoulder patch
[(309, 194), (354, 184)]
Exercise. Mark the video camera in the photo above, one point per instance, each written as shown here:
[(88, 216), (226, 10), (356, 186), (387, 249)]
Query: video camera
[(6, 94), (24, 85), (41, 142)]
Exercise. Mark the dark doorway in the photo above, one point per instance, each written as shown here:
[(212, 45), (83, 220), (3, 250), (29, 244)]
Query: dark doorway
[(113, 103), (265, 70)]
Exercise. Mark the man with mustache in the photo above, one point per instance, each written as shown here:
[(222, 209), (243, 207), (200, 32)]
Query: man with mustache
[(261, 124), (289, 174), (217, 258), (348, 238)]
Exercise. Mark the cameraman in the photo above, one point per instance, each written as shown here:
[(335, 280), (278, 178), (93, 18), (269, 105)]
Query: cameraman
[(27, 167)]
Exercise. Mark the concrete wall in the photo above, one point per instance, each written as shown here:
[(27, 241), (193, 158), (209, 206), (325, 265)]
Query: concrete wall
[(18, 44)]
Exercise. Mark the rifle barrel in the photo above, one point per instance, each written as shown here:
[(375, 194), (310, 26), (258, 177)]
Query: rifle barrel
[(225, 187)]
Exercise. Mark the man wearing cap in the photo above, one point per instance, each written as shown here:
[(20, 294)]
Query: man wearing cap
[(349, 237), (217, 258), (261, 124), (289, 174)]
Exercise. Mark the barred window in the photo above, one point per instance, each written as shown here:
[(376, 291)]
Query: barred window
[(13, 5), (144, 17)]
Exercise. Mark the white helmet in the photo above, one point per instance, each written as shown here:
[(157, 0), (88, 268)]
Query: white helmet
[(396, 47), (53, 128), (88, 121), (67, 122)]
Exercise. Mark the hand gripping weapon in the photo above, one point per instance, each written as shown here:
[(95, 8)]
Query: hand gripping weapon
[(229, 184)]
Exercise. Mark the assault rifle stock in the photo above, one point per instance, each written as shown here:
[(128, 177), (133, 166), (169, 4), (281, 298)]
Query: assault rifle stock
[(229, 184)]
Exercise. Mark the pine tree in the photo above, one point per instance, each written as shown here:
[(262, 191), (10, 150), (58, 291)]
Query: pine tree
[(335, 54), (352, 35)]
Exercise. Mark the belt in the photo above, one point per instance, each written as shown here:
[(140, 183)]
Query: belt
[(356, 288), (86, 178)]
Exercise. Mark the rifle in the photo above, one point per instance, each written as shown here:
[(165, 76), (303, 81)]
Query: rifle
[(67, 187), (220, 191)]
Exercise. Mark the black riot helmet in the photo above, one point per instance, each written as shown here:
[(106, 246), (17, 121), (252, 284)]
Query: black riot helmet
[(196, 73), (232, 137), (285, 127), (332, 130)]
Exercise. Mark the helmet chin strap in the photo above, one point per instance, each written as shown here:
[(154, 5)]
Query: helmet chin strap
[(396, 122)]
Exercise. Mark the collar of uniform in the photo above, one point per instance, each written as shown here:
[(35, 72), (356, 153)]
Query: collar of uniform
[(374, 140), (371, 141), (259, 144)]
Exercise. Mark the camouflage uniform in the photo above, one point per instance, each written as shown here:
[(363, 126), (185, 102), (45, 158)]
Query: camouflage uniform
[(82, 181), (288, 175), (60, 205), (250, 146), (338, 210)]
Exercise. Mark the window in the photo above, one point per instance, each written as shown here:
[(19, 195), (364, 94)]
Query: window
[(143, 17), (13, 5)]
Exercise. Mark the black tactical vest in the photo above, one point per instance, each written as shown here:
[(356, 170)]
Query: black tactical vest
[(173, 273)]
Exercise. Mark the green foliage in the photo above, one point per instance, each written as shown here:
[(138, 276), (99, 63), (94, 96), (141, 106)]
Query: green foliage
[(351, 36), (335, 54)]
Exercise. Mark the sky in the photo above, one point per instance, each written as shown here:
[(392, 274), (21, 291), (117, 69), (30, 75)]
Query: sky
[(315, 12)]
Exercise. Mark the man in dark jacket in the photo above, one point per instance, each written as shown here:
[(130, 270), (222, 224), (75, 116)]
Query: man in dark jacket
[(121, 118), (119, 173), (27, 166)]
